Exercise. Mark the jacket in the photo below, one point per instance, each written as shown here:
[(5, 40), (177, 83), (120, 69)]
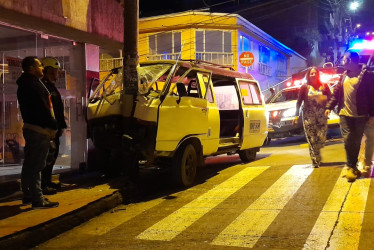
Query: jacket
[(58, 106), (364, 94), (33, 99)]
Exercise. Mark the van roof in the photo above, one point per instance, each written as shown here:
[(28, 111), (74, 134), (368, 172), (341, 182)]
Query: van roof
[(215, 68)]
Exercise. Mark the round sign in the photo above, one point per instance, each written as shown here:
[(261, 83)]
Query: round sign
[(246, 59)]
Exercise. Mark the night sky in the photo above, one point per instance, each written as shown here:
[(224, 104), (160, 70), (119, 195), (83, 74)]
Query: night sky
[(270, 9)]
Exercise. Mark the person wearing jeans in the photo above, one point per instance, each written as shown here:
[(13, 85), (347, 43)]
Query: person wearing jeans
[(353, 96), (36, 149), (39, 128)]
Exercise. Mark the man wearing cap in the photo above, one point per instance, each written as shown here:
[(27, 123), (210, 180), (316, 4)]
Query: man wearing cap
[(51, 66)]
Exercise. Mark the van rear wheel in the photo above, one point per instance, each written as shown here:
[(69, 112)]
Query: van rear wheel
[(185, 165), (247, 155)]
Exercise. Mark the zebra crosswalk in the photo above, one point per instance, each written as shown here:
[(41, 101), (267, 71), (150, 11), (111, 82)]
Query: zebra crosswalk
[(294, 207), (338, 225)]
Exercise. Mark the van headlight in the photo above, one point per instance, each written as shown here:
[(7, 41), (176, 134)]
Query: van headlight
[(289, 112)]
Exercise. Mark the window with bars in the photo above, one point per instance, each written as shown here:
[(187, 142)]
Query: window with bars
[(214, 46), (165, 45), (213, 41)]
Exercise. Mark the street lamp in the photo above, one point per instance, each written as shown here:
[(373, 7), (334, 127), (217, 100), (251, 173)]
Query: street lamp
[(354, 5)]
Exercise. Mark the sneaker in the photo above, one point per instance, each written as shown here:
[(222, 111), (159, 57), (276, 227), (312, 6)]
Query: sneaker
[(315, 163), (45, 203), (352, 174), (49, 190), (366, 171)]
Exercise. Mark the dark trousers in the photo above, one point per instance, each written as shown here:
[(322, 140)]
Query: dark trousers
[(47, 171), (36, 151), (352, 129)]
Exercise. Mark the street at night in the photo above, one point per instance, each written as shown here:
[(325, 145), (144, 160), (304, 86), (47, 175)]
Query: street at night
[(276, 202), (187, 124)]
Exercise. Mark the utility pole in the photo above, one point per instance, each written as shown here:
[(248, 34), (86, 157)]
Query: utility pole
[(130, 55)]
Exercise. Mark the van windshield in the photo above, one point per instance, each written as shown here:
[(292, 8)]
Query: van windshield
[(151, 78)]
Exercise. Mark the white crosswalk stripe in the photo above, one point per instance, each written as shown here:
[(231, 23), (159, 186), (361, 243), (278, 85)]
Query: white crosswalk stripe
[(248, 227), (338, 226), (174, 224), (346, 233)]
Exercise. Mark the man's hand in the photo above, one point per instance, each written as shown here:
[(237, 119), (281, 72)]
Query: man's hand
[(327, 113), (295, 120)]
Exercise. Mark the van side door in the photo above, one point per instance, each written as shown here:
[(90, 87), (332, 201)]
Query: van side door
[(211, 141), (255, 124), (183, 112)]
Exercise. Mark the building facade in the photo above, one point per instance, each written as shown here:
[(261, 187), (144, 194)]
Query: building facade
[(218, 38)]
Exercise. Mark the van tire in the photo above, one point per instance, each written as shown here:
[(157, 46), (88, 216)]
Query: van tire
[(185, 165), (247, 155)]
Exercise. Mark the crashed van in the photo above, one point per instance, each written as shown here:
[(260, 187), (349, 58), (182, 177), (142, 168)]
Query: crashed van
[(184, 111)]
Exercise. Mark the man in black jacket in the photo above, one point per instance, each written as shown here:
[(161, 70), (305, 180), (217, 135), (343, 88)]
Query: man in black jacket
[(39, 129), (51, 66), (353, 95)]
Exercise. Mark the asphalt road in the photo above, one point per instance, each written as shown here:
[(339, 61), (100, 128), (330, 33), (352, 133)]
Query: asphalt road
[(276, 202)]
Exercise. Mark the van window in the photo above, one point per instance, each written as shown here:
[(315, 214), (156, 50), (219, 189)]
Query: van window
[(251, 93), (227, 97), (191, 83)]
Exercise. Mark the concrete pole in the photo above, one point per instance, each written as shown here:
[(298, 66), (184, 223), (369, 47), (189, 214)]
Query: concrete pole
[(130, 55)]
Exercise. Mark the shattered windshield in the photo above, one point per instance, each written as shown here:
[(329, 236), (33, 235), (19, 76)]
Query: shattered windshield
[(151, 78)]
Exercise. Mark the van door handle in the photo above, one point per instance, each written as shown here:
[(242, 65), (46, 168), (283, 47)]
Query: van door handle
[(204, 110)]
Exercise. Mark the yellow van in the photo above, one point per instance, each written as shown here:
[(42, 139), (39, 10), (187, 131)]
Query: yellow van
[(184, 111)]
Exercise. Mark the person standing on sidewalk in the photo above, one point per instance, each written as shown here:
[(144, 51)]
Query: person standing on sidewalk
[(39, 128), (314, 95), (353, 95), (51, 66)]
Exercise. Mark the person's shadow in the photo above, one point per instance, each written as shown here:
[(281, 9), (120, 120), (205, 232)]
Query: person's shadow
[(12, 210)]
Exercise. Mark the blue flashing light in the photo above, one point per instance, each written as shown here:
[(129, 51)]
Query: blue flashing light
[(362, 45)]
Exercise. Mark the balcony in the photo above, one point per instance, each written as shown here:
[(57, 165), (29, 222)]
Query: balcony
[(169, 56), (280, 74), (264, 69), (108, 64), (216, 57)]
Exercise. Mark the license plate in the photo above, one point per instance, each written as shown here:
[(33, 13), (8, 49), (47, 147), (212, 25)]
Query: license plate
[(254, 126)]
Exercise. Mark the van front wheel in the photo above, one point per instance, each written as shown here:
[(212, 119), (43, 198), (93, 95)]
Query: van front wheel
[(185, 165), (247, 155)]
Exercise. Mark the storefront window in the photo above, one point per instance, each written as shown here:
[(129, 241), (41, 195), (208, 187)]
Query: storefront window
[(15, 44)]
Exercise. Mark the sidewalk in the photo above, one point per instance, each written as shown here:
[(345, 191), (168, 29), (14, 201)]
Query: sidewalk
[(83, 196)]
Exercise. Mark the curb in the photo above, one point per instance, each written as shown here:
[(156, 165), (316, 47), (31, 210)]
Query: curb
[(33, 236)]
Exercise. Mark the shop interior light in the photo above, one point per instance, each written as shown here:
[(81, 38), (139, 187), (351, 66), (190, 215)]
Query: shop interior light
[(275, 113), (288, 84)]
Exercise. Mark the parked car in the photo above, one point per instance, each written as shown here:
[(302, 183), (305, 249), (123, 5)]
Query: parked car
[(282, 111)]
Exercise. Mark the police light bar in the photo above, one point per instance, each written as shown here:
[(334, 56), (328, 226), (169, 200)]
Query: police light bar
[(363, 44)]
